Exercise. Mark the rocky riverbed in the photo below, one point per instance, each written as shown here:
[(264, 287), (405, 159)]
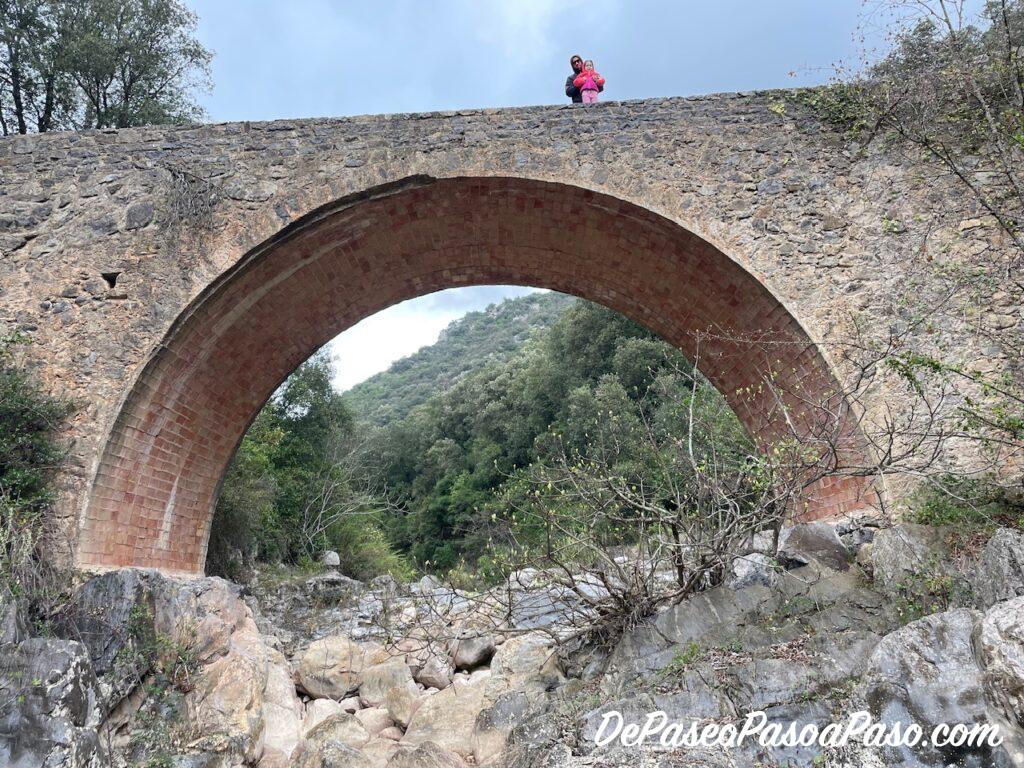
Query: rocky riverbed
[(319, 671)]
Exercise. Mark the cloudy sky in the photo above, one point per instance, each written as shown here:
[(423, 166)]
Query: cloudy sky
[(309, 58)]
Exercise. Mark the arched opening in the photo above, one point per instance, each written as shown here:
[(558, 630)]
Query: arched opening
[(153, 493)]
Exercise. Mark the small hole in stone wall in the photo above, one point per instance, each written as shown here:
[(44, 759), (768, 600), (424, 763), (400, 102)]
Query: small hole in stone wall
[(110, 277)]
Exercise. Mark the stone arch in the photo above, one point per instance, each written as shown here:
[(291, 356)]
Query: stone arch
[(152, 496)]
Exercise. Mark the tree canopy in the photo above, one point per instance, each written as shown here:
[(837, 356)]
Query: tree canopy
[(73, 64)]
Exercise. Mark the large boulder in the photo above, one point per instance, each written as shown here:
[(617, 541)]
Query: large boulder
[(380, 679), (318, 710), (804, 543), (999, 572), (435, 672), (907, 551), (341, 728), (331, 668), (495, 723), (926, 673), (49, 706), (127, 618), (528, 661), (390, 685), (225, 708), (282, 715), (332, 754), (448, 718), (472, 649), (1000, 644), (375, 720)]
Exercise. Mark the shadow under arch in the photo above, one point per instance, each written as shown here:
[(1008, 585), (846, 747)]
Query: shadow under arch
[(151, 500)]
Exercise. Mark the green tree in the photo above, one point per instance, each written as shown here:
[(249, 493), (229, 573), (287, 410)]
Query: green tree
[(30, 454), (98, 64), (36, 93)]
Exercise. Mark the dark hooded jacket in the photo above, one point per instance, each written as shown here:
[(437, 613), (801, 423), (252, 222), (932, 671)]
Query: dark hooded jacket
[(572, 91)]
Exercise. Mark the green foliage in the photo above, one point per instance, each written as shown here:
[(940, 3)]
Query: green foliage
[(967, 505), (366, 551), (98, 64), (30, 454), (535, 374), (170, 666), (461, 461), (839, 104), (689, 655), (286, 458), (477, 340)]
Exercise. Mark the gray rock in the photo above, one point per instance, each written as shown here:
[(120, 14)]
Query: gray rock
[(48, 706), (906, 550), (999, 572), (1000, 644), (333, 754), (435, 673), (139, 215), (926, 673), (113, 617), (494, 724), (472, 650), (805, 543), (331, 559), (204, 760), (426, 585), (12, 621), (755, 568)]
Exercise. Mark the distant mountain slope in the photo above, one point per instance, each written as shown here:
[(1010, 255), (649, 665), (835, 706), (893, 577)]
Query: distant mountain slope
[(464, 346)]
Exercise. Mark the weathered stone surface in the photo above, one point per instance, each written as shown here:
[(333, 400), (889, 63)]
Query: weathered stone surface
[(907, 550), (800, 207), (119, 616), (999, 572), (375, 720), (495, 723), (809, 542), (1000, 644), (332, 667), (426, 755), (448, 718), (341, 728), (282, 715), (333, 754), (331, 559), (318, 710), (926, 673), (529, 658), (435, 673), (49, 706), (380, 679), (472, 650), (755, 568), (12, 622)]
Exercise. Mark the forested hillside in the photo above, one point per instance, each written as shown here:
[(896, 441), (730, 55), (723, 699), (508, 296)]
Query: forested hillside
[(482, 338), (466, 433)]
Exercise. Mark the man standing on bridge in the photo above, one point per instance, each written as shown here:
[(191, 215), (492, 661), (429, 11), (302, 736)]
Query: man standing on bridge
[(574, 93)]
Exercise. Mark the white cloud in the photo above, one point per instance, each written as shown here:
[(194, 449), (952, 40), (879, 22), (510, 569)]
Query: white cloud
[(527, 29)]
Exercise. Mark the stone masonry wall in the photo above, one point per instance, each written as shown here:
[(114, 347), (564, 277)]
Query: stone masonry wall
[(107, 237)]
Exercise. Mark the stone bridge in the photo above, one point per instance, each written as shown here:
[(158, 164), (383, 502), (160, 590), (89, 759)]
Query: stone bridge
[(170, 278)]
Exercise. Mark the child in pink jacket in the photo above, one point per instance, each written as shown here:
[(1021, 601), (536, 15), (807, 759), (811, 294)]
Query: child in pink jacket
[(589, 82)]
